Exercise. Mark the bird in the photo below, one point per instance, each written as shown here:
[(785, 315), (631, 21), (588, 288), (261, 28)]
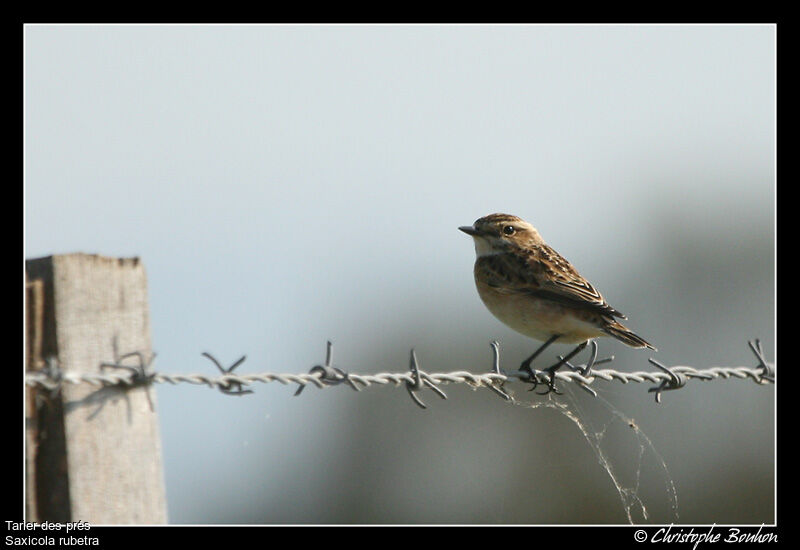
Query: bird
[(534, 290)]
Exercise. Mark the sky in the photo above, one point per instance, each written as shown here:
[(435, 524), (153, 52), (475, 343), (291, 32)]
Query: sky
[(285, 185)]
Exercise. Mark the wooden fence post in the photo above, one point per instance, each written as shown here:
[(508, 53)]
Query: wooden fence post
[(92, 453)]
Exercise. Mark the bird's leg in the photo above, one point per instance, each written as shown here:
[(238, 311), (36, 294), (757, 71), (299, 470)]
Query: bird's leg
[(551, 387), (526, 364)]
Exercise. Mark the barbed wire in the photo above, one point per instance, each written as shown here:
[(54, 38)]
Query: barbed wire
[(51, 377)]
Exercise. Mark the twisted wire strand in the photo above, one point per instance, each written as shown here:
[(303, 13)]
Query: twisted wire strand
[(128, 378)]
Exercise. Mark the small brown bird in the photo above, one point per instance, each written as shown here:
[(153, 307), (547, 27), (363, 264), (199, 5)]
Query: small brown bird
[(531, 288)]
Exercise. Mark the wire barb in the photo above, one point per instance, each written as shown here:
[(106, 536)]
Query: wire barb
[(229, 387), (586, 370), (420, 380), (140, 374), (674, 382), (329, 375), (767, 371), (495, 387)]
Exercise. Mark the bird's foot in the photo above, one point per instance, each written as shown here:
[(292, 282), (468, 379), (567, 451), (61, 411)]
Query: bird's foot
[(535, 377), (551, 384)]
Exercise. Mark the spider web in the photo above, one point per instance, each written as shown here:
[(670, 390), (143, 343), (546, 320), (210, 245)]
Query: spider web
[(606, 429)]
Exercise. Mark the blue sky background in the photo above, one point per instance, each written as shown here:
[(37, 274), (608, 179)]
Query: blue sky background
[(289, 184)]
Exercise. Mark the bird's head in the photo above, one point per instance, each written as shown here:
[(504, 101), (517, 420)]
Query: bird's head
[(499, 233)]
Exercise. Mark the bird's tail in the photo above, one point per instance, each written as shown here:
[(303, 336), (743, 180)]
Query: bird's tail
[(626, 336)]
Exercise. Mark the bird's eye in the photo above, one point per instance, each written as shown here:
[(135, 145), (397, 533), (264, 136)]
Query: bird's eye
[(509, 230)]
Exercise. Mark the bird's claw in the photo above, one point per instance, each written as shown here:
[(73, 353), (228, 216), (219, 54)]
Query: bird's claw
[(536, 380)]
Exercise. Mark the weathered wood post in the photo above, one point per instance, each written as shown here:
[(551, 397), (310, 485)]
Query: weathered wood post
[(92, 453)]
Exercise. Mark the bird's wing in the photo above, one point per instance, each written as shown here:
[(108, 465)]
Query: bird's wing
[(544, 273)]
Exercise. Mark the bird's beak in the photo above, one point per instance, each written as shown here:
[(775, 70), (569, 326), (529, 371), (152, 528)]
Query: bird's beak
[(470, 230)]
